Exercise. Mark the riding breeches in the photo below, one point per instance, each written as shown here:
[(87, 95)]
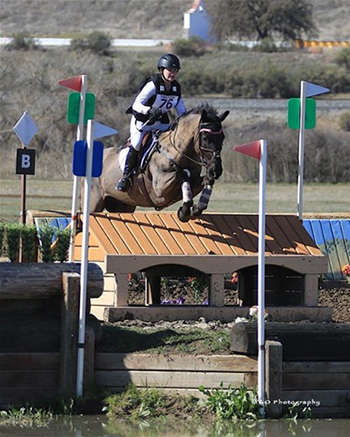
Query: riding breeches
[(137, 131)]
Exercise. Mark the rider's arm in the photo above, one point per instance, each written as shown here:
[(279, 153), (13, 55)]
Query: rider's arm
[(180, 107), (143, 97)]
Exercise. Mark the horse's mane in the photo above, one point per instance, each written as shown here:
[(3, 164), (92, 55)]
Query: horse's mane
[(210, 110)]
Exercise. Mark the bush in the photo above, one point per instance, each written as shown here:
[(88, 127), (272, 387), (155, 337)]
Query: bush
[(343, 58), (13, 232), (62, 244), (2, 233), (28, 234), (344, 121), (21, 41), (46, 234), (96, 42), (193, 46)]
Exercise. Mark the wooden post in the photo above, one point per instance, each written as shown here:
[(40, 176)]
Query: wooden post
[(152, 290), (217, 291), (69, 334), (121, 290), (273, 381), (311, 290), (89, 358)]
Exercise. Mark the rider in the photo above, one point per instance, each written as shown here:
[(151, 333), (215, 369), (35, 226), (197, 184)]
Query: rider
[(149, 110)]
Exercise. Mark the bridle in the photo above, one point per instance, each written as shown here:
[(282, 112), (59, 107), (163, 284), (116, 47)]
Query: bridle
[(215, 153)]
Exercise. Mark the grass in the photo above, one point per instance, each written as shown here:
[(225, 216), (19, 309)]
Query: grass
[(227, 197), (26, 417), (133, 339)]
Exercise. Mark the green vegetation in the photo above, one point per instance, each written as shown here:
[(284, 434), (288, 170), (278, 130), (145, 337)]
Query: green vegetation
[(256, 19), (46, 234), (62, 244), (21, 41), (96, 42), (13, 233), (344, 121), (232, 403), (26, 417), (29, 242), (134, 339)]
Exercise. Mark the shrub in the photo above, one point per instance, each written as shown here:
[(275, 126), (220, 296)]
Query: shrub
[(62, 244), (343, 58), (45, 236), (21, 41), (2, 232), (344, 121), (28, 234), (13, 232), (193, 46), (96, 42)]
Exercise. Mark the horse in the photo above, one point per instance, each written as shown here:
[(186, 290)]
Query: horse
[(190, 147)]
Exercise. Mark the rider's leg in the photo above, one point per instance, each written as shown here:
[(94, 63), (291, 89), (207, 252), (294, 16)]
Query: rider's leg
[(131, 159)]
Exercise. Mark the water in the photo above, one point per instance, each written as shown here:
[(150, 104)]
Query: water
[(98, 426)]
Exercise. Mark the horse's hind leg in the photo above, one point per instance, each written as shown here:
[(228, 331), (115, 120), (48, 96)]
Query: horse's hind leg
[(97, 203)]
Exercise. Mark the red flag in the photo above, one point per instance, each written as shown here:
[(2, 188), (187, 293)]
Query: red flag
[(252, 149), (73, 82)]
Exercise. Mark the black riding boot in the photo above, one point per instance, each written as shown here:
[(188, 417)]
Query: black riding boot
[(131, 161)]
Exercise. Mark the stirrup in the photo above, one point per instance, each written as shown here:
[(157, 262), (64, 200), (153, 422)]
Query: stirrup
[(123, 184)]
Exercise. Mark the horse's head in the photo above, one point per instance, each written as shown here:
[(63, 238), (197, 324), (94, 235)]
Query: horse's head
[(211, 138)]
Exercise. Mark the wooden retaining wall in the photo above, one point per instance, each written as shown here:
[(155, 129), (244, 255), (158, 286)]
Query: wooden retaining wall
[(180, 373), (326, 383)]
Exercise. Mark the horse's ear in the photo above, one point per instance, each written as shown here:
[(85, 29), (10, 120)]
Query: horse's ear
[(204, 114), (223, 116)]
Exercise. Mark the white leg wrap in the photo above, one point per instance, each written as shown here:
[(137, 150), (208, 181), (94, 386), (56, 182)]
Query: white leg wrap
[(186, 192), (205, 197)]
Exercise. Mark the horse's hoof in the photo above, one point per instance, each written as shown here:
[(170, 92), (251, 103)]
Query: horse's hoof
[(182, 216), (196, 212)]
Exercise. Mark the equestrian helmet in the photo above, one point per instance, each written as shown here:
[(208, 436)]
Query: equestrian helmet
[(169, 62)]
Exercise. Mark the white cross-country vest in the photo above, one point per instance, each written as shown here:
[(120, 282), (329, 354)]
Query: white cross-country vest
[(162, 99)]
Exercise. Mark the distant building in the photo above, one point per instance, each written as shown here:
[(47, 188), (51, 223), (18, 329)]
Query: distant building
[(197, 22)]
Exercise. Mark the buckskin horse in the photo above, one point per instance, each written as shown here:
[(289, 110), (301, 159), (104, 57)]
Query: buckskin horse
[(174, 169)]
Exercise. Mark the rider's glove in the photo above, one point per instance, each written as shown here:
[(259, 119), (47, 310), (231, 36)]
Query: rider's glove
[(155, 113)]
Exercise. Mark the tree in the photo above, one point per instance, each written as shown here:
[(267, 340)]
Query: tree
[(259, 19)]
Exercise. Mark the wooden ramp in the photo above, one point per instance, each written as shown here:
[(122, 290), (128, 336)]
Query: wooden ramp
[(215, 244)]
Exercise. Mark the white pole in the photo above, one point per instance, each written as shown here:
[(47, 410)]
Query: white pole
[(84, 259), (301, 149), (75, 195), (261, 277)]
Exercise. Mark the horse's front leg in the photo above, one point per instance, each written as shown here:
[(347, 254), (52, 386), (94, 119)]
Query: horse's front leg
[(203, 200), (184, 212)]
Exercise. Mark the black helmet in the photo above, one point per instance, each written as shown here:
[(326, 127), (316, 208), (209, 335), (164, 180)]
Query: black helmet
[(169, 61)]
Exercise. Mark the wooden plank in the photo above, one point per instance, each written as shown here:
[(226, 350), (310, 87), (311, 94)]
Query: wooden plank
[(315, 381), (148, 229), (208, 223), (174, 362), (124, 234), (98, 232), (174, 229), (327, 398), (97, 311), (113, 235), (204, 237), (273, 223), (303, 235), (316, 367), (192, 237), (29, 378), (288, 225), (94, 254), (120, 378), (92, 240), (249, 231), (227, 234), (238, 231), (107, 298), (30, 361), (165, 235), (139, 235), (26, 395)]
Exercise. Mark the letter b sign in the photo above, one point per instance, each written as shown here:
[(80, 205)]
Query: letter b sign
[(25, 162)]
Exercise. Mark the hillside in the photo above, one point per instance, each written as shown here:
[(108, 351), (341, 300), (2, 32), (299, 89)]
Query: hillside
[(136, 18)]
